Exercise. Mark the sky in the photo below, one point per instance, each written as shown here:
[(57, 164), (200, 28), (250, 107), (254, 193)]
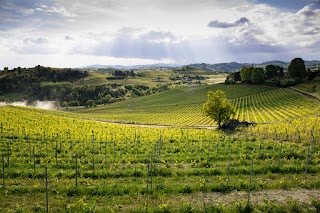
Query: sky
[(78, 33)]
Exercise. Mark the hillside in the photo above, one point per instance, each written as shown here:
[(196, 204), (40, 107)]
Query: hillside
[(81, 165), (234, 66), (222, 67), (181, 106)]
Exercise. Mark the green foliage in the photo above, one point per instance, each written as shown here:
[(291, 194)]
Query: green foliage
[(218, 107), (273, 71), (233, 78), (252, 75), (182, 106), (287, 82), (2, 99), (245, 74), (257, 76), (90, 103), (196, 162), (29, 80), (244, 208), (73, 103), (297, 68), (316, 204)]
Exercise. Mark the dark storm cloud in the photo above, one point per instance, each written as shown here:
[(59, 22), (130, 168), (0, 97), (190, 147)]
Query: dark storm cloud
[(219, 24)]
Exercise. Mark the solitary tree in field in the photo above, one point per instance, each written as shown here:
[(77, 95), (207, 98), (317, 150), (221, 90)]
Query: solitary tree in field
[(297, 69), (218, 107)]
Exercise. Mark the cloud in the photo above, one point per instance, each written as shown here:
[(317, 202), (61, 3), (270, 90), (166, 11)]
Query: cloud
[(55, 9), (218, 24), (158, 29), (39, 40), (308, 11), (68, 38), (34, 46), (134, 44), (35, 50), (159, 36)]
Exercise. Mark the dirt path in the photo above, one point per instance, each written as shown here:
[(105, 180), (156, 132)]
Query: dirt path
[(279, 197), (154, 125), (304, 93), (274, 196)]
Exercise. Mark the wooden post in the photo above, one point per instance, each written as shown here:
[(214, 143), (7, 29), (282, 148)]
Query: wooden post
[(105, 154), (93, 151), (229, 165), (76, 171), (56, 154), (279, 155), (249, 191), (114, 151), (82, 146), (306, 167), (34, 162), (47, 197), (3, 185), (217, 150)]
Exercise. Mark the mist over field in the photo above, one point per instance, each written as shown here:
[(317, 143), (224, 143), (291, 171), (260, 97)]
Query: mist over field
[(48, 105)]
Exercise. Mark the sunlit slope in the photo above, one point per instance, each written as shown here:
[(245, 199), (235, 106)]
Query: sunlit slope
[(181, 106), (88, 161)]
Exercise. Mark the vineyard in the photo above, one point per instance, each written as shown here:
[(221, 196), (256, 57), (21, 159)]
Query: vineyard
[(181, 106), (59, 162)]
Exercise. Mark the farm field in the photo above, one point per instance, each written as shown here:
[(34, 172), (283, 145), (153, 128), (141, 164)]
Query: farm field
[(100, 167), (181, 106), (307, 87), (150, 78)]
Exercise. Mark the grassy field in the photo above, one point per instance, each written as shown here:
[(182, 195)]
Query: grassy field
[(181, 106), (150, 78), (100, 167), (307, 87), (74, 162)]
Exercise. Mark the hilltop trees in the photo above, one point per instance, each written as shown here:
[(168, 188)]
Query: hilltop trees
[(297, 68), (273, 71), (257, 76), (218, 107), (252, 75), (245, 74)]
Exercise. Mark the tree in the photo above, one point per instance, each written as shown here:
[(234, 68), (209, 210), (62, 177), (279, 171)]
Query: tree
[(297, 69), (257, 76), (280, 73), (272, 70), (245, 74), (218, 107), (90, 103)]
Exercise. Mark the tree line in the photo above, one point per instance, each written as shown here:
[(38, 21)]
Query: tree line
[(45, 83), (29, 79), (296, 73)]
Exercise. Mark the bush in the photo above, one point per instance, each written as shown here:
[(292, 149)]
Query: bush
[(2, 99), (286, 82), (247, 208), (316, 204), (73, 103)]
